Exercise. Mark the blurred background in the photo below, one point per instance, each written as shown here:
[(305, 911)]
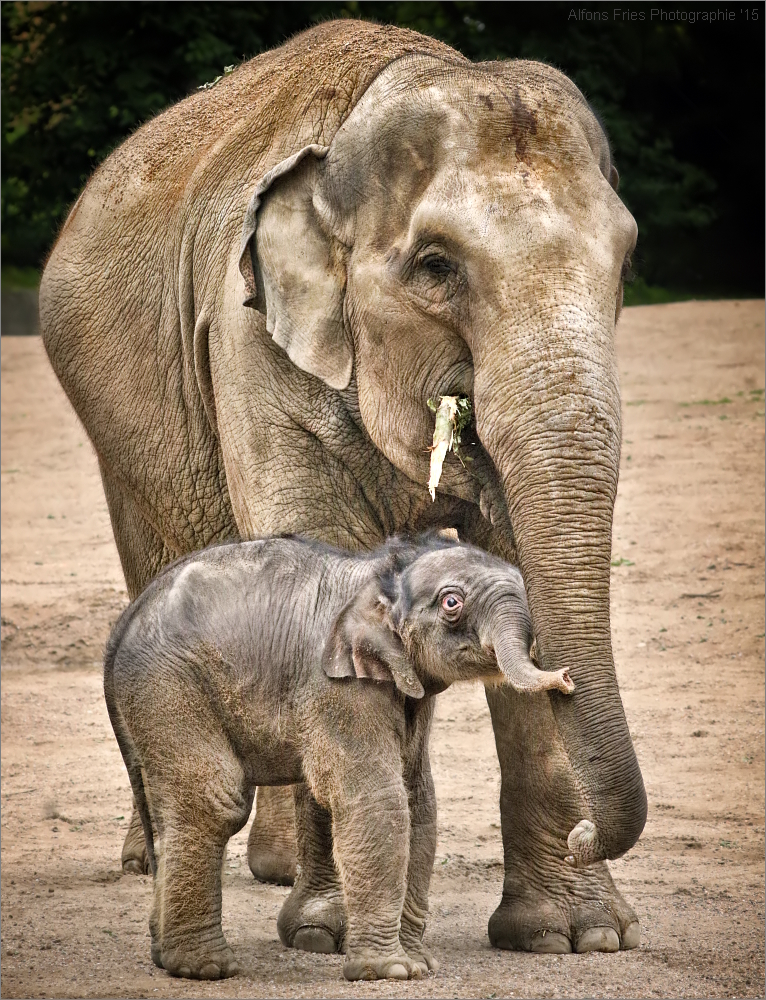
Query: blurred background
[(681, 99)]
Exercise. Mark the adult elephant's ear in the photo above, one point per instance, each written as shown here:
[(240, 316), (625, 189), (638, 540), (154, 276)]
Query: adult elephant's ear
[(364, 644), (292, 268)]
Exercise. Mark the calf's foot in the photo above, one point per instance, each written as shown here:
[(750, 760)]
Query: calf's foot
[(364, 963)]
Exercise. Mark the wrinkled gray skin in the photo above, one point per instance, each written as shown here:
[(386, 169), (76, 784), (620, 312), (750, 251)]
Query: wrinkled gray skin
[(281, 661), (401, 224)]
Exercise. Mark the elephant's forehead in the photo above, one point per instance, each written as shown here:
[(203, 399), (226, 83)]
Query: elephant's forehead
[(464, 566), (511, 110), (456, 138)]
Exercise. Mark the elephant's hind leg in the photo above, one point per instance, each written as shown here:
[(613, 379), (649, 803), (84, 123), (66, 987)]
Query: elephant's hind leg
[(272, 851), (313, 917), (142, 551), (142, 555), (201, 808), (189, 939)]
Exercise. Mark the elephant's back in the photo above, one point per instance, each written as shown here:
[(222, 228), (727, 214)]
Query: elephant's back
[(285, 98)]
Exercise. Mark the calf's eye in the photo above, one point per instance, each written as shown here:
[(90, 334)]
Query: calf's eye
[(452, 605)]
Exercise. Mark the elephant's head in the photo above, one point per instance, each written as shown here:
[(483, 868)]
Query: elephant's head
[(462, 235), (453, 613)]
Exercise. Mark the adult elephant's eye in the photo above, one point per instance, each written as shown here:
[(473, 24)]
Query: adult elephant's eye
[(437, 265), (433, 275), (452, 605)]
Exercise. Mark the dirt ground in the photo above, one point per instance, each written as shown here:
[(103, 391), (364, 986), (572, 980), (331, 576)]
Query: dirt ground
[(688, 619)]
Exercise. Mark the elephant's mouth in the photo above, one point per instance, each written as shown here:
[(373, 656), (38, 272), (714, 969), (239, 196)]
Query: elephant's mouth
[(470, 474)]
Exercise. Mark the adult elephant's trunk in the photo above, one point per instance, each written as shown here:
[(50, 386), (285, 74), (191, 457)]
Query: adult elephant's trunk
[(552, 427)]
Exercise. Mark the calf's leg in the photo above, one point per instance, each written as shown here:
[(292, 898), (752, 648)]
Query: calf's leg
[(422, 806), (371, 834), (197, 808)]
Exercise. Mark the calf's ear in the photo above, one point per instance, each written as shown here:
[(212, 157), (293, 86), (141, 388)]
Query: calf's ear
[(363, 644)]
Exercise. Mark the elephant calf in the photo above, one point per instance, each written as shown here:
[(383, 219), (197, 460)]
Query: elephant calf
[(281, 661)]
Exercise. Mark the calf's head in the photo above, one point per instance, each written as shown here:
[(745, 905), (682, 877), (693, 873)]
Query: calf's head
[(453, 613)]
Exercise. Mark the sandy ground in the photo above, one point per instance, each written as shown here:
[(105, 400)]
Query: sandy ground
[(688, 614)]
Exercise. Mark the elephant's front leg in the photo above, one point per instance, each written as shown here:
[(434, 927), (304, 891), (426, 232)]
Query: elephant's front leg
[(422, 804), (313, 917), (547, 905), (372, 845)]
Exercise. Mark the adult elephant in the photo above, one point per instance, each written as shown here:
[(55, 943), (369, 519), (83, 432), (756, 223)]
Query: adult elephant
[(249, 307)]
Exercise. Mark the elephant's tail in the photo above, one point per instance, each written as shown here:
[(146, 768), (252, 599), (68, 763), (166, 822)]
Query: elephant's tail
[(122, 733)]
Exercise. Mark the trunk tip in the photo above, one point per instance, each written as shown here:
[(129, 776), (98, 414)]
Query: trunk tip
[(565, 683), (585, 846)]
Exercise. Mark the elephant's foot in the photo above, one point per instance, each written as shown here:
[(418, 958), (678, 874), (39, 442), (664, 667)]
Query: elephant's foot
[(421, 956), (364, 963), (548, 905), (269, 865), (212, 960), (411, 929), (271, 846), (134, 857), (563, 910), (312, 920)]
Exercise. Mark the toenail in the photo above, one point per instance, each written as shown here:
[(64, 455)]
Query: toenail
[(631, 937), (397, 972), (598, 939), (550, 943)]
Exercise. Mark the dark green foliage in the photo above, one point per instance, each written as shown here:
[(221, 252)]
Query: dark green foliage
[(683, 105)]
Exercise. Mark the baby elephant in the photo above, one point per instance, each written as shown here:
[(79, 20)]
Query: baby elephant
[(281, 661)]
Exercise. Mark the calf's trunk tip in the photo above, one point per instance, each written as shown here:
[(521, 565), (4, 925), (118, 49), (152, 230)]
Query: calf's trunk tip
[(519, 669)]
